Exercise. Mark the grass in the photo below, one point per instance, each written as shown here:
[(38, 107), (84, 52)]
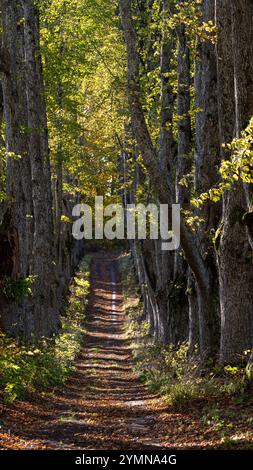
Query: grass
[(48, 364)]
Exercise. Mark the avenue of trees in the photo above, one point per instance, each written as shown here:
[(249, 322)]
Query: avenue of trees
[(190, 92), (54, 120), (144, 100)]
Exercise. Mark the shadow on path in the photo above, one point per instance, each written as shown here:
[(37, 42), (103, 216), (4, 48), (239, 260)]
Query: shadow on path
[(104, 405)]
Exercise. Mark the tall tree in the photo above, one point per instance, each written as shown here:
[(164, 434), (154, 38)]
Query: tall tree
[(161, 185), (234, 58)]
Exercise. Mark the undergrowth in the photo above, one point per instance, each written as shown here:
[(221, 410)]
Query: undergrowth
[(169, 370), (48, 364), (182, 380)]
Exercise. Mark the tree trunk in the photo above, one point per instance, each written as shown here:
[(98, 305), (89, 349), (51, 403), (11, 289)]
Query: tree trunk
[(207, 161), (45, 319), (184, 160), (235, 107), (16, 226), (161, 181)]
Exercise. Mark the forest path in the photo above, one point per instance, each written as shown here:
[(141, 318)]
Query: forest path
[(104, 405)]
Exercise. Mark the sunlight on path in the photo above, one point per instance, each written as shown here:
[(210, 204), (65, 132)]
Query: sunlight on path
[(104, 405)]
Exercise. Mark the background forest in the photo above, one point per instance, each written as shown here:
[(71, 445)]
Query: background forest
[(139, 101)]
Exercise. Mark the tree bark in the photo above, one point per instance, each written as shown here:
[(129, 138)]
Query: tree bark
[(184, 160), (235, 107), (45, 317), (16, 227), (207, 162)]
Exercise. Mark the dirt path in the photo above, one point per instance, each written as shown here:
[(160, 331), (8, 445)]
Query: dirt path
[(104, 405)]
